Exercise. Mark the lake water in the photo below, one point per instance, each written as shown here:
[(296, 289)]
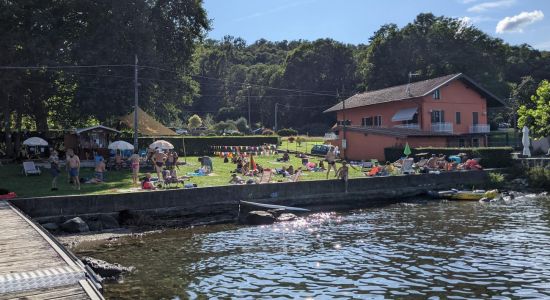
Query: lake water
[(419, 249)]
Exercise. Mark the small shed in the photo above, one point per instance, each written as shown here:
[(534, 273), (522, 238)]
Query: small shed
[(91, 141)]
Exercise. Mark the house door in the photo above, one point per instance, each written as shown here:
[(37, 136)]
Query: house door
[(438, 116), (475, 118)]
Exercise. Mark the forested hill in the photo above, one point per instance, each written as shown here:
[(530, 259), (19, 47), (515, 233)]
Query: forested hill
[(181, 73), (305, 76)]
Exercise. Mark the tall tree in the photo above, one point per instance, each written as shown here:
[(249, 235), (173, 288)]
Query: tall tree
[(537, 117)]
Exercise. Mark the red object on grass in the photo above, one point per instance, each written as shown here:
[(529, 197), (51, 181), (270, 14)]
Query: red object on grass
[(9, 195)]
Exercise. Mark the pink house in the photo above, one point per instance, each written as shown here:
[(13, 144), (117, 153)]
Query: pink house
[(448, 111)]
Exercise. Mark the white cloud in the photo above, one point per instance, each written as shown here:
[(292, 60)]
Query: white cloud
[(491, 5), (466, 20), (518, 22), (468, 1)]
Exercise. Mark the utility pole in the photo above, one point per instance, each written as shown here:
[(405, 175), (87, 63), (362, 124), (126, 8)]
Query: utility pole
[(344, 122), (136, 105), (276, 106), (249, 123)]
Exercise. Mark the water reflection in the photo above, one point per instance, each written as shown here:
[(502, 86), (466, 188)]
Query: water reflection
[(455, 250)]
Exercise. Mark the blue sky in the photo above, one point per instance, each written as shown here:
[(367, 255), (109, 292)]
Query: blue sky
[(354, 21)]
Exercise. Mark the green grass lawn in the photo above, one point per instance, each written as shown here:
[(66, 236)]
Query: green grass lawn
[(12, 179), (304, 147)]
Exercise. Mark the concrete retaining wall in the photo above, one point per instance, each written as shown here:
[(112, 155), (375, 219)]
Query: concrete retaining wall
[(217, 201)]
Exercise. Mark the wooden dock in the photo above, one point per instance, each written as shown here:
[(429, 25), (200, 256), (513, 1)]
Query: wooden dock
[(34, 266)]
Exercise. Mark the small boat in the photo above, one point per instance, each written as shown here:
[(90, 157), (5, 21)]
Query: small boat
[(272, 206), (474, 195)]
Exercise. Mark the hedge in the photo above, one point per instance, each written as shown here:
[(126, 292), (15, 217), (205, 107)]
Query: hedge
[(491, 157), (202, 145)]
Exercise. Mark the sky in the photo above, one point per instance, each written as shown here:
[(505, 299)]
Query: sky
[(355, 21)]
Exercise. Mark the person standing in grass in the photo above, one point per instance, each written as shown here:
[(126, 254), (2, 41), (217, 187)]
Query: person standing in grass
[(74, 168), (54, 169), (134, 163), (159, 159), (331, 161), (343, 174)]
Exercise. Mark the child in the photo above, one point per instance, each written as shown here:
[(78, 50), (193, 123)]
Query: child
[(147, 184), (134, 161), (54, 169)]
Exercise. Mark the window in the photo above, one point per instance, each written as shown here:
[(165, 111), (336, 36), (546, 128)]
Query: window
[(413, 121), (367, 122), (375, 121), (438, 116), (457, 118), (342, 123), (461, 143), (475, 142), (437, 94), (475, 118), (378, 121)]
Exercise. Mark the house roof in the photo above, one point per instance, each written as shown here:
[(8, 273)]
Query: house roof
[(147, 125), (81, 130), (417, 89)]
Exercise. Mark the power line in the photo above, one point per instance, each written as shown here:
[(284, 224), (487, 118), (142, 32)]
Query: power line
[(221, 81), (59, 67), (244, 83)]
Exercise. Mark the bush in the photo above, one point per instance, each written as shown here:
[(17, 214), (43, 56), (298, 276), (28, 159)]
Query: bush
[(496, 180), (242, 124), (315, 129), (493, 157), (291, 139), (268, 131), (539, 178), (287, 132), (300, 140)]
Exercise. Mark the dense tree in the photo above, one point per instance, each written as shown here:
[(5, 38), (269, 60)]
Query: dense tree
[(181, 75), (194, 122), (537, 116)]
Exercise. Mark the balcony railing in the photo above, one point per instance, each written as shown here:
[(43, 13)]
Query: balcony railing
[(480, 128), (409, 126), (442, 127)]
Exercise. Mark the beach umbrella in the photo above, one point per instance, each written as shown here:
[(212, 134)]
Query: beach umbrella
[(120, 145), (525, 141), (161, 144), (407, 150), (35, 141)]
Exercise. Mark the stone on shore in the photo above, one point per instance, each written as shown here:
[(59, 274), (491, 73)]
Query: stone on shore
[(104, 269), (75, 225), (50, 226), (259, 217), (108, 222), (285, 217)]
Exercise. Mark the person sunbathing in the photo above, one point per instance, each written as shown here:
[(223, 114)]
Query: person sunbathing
[(432, 162), (285, 158), (99, 172), (146, 184), (235, 179)]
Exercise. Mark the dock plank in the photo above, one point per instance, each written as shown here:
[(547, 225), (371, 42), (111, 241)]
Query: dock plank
[(25, 249)]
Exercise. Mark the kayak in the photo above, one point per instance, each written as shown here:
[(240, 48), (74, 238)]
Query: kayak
[(474, 195)]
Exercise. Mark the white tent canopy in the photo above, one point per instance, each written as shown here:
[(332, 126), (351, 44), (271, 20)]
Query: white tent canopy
[(120, 145), (35, 141), (161, 144), (405, 114)]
